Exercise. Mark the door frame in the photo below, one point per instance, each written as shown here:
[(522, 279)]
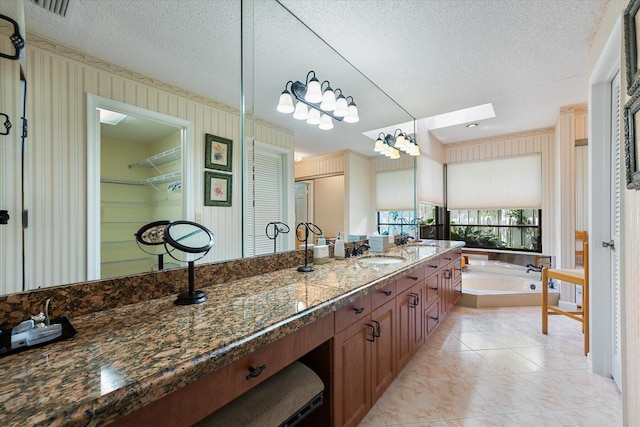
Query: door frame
[(93, 168), (601, 324)]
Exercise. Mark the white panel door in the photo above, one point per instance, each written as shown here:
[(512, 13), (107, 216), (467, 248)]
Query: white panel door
[(265, 199), (616, 168)]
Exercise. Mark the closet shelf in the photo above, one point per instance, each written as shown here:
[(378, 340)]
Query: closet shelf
[(159, 159), (153, 180), (125, 202)]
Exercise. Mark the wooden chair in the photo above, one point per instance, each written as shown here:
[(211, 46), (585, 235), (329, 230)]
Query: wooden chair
[(581, 238), (579, 276)]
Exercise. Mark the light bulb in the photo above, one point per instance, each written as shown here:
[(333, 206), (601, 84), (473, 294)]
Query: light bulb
[(401, 142), (395, 154), (286, 102), (352, 116), (415, 150), (301, 112), (379, 147), (314, 117), (325, 122), (328, 100), (342, 109), (314, 92)]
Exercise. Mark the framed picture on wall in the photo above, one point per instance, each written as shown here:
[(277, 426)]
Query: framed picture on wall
[(632, 45), (217, 189), (632, 140), (218, 153)]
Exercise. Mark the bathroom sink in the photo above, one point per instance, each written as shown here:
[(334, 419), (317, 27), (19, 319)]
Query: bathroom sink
[(374, 259)]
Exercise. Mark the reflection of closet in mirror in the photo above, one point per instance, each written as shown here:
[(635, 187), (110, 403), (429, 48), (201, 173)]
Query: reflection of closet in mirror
[(140, 181), (321, 201), (269, 196)]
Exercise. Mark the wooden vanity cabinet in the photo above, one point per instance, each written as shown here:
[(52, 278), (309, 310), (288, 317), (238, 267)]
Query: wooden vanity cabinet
[(364, 355), (410, 330)]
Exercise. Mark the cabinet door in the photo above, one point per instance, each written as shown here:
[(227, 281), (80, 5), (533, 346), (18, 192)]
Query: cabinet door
[(404, 328), (417, 338), (409, 330), (352, 374), (445, 290), (383, 356)]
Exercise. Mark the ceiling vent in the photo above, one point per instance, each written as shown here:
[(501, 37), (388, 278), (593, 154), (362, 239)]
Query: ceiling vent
[(59, 7)]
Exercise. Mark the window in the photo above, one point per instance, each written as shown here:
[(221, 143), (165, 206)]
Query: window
[(515, 229), (432, 221), (397, 222)]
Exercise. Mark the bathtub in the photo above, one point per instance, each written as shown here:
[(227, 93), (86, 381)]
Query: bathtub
[(499, 284)]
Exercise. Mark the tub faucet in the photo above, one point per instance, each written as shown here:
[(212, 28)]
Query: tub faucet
[(359, 250), (536, 268)]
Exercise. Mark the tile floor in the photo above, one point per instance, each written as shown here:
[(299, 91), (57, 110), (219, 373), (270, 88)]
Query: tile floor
[(493, 367)]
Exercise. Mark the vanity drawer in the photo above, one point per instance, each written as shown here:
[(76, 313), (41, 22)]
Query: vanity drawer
[(433, 288), (254, 368), (431, 267), (432, 317), (410, 279), (353, 312), (383, 295)]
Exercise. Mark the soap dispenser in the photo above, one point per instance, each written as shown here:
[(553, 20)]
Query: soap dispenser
[(321, 240), (338, 250)]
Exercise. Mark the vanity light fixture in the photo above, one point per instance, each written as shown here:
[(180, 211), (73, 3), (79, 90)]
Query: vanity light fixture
[(317, 103), (391, 145)]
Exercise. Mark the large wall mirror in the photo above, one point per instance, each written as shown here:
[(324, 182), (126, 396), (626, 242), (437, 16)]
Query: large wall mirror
[(233, 56), (338, 169)]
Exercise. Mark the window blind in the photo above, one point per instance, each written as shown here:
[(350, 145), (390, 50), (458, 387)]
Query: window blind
[(430, 181), (395, 190), (514, 182)]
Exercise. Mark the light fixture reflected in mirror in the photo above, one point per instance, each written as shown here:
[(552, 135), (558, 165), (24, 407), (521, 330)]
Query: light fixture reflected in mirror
[(391, 145), (316, 105)]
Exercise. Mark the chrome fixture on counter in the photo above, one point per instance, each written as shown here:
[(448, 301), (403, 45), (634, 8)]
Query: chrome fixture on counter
[(309, 228), (278, 228), (317, 105), (391, 145)]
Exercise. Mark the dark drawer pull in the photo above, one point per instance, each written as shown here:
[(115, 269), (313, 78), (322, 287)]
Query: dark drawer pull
[(387, 293), (434, 289), (432, 266), (457, 269), (433, 318), (254, 372), (413, 277), (447, 274), (358, 310), (448, 259)]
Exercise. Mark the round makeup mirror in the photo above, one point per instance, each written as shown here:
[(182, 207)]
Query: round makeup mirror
[(184, 241), (150, 239)]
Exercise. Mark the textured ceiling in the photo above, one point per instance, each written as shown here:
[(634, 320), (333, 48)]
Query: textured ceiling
[(528, 58)]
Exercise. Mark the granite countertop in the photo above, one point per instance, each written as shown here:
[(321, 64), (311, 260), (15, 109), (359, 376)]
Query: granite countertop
[(124, 358)]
